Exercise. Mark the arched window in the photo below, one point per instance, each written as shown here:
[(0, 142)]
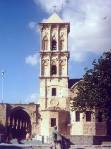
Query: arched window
[(53, 70), (54, 44), (45, 43)]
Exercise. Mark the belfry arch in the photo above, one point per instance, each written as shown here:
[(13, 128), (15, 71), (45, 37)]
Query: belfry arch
[(19, 123), (53, 44)]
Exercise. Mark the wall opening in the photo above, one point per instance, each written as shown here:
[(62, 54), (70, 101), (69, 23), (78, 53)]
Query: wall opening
[(77, 116), (53, 91), (19, 124), (53, 122), (54, 44), (53, 70)]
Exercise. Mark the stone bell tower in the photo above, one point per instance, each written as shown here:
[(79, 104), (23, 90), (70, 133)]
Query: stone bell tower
[(54, 57)]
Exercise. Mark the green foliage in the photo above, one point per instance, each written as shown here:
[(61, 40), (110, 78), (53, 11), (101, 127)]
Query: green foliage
[(94, 91)]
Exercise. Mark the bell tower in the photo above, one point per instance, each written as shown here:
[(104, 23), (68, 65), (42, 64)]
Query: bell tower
[(54, 56)]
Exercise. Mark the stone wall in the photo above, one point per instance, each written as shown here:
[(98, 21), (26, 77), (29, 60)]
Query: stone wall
[(90, 147), (46, 98), (49, 147), (3, 114), (89, 140), (31, 109), (62, 121), (25, 147)]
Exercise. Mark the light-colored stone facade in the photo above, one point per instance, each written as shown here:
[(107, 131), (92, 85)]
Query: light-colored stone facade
[(55, 29), (19, 117), (56, 90), (84, 127), (54, 57)]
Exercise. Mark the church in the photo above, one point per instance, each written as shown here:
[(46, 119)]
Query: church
[(56, 90)]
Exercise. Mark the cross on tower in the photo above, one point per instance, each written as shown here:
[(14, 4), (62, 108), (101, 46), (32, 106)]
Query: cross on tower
[(55, 8)]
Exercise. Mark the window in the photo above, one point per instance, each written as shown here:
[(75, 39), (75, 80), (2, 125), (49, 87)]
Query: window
[(88, 116), (53, 122), (54, 44), (53, 70), (77, 116), (53, 91)]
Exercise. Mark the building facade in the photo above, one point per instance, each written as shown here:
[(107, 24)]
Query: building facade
[(56, 90), (17, 119), (54, 56)]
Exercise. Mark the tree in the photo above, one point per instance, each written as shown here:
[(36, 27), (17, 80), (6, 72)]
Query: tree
[(94, 91)]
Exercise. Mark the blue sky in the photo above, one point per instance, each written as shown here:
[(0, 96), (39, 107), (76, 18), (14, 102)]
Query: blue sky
[(19, 42)]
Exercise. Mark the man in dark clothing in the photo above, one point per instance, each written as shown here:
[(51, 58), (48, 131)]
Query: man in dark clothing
[(57, 139)]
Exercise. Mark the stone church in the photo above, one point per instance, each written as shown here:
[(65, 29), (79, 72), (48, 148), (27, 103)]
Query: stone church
[(56, 89)]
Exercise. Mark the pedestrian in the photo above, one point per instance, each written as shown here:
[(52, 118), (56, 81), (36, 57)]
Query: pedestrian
[(27, 135), (56, 138)]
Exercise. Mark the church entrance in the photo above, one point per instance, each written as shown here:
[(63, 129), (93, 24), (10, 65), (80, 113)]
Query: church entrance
[(18, 124)]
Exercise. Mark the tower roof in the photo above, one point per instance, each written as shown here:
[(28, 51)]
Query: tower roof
[(54, 18)]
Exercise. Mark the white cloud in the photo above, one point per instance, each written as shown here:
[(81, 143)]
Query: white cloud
[(90, 24), (32, 59), (48, 5), (32, 98), (32, 25)]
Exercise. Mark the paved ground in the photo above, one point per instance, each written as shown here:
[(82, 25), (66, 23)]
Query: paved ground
[(17, 146), (31, 144), (90, 147)]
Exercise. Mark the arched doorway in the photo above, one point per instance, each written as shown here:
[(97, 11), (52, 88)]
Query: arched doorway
[(19, 124)]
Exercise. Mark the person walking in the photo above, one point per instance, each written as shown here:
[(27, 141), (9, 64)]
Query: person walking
[(56, 138)]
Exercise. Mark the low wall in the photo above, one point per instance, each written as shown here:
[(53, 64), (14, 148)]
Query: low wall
[(89, 140), (90, 147), (24, 147), (49, 147), (77, 140)]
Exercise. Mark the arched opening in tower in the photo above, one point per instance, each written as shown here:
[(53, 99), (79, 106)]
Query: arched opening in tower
[(19, 124), (54, 44), (53, 70)]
